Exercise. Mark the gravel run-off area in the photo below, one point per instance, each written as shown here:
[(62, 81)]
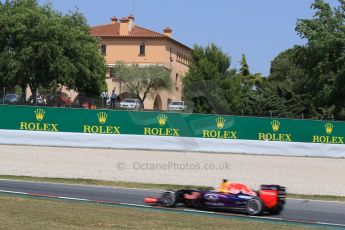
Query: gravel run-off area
[(301, 175)]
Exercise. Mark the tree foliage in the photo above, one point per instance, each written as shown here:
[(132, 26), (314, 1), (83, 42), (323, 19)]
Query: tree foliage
[(41, 47), (143, 82), (322, 59), (244, 70), (211, 86), (248, 81), (308, 79)]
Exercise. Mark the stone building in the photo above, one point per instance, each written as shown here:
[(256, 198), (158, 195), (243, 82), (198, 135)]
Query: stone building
[(122, 40)]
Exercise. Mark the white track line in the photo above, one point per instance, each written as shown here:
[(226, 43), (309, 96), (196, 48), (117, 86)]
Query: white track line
[(12, 192), (136, 205), (265, 217), (198, 211), (72, 198), (325, 223)]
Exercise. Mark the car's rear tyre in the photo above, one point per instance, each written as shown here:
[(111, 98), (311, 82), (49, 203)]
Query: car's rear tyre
[(168, 199), (254, 207), (276, 209)]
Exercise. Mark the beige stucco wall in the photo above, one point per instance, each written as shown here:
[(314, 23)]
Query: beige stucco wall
[(157, 51), (127, 50)]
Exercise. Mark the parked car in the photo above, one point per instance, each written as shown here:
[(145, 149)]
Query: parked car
[(130, 103), (40, 100), (11, 99), (176, 106)]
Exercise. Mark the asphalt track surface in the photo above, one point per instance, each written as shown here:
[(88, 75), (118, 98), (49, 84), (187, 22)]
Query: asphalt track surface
[(323, 213)]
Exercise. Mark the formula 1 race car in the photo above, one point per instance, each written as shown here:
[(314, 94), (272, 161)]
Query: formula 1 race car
[(270, 198)]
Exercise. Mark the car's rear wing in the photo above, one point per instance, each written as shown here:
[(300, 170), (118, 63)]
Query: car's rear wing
[(281, 191)]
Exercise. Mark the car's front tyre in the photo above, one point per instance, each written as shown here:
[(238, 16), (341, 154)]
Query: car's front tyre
[(168, 199)]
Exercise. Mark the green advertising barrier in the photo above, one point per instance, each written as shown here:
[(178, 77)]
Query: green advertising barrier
[(109, 122)]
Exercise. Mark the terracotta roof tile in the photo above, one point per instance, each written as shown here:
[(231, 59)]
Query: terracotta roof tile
[(105, 30), (112, 30), (140, 31)]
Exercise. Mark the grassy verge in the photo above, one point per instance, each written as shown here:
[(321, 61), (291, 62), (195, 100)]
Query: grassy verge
[(119, 184), (122, 184), (17, 212), (317, 197)]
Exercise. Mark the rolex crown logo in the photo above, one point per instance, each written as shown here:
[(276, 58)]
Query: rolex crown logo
[(275, 125), (39, 114), (162, 119), (329, 128), (220, 122), (102, 117)]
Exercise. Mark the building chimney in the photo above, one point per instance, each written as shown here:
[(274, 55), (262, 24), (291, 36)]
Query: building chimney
[(167, 31), (131, 22), (124, 24), (113, 20)]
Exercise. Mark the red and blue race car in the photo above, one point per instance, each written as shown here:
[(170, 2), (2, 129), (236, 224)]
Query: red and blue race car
[(270, 199)]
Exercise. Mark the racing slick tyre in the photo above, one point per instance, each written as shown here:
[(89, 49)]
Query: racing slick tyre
[(254, 207), (168, 199), (277, 209)]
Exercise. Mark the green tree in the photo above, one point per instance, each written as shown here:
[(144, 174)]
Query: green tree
[(274, 98), (143, 82), (281, 93), (249, 81), (308, 79), (41, 47), (244, 70), (284, 68), (8, 64), (211, 86), (322, 59)]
